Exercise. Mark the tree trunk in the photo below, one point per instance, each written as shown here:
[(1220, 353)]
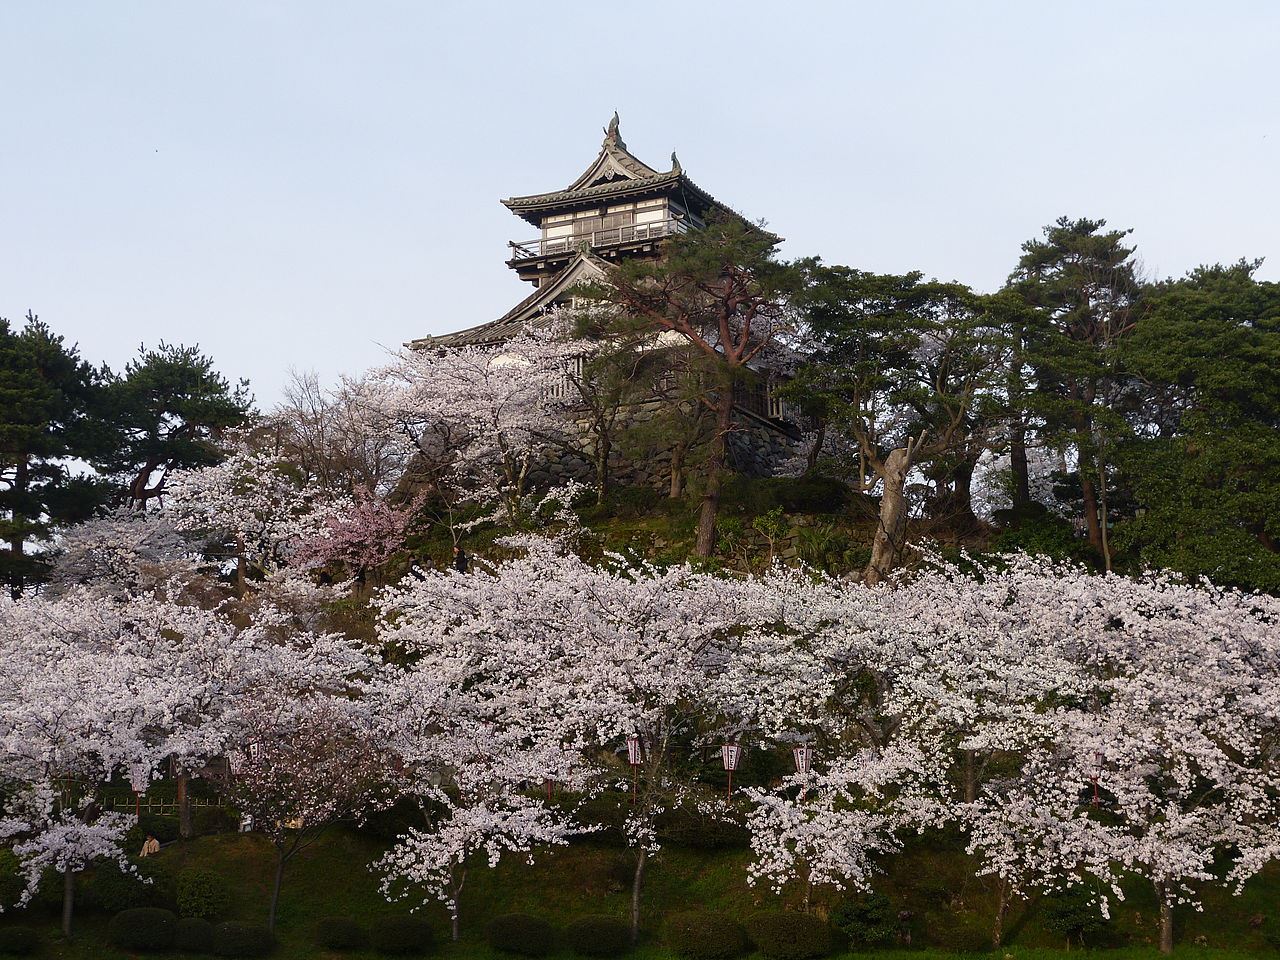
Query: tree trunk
[(1018, 464), (603, 445), (1166, 918), (455, 929), (811, 461), (68, 899), (971, 779), (1089, 494), (1002, 907), (963, 517), (21, 479), (677, 471), (275, 890), (715, 473), (186, 829), (636, 883), (887, 546)]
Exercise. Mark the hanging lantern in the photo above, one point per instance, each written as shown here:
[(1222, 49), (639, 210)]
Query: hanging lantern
[(730, 754), (803, 757)]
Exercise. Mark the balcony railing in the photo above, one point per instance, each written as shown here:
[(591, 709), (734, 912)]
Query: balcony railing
[(614, 236)]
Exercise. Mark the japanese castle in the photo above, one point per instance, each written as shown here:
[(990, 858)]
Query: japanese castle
[(618, 207)]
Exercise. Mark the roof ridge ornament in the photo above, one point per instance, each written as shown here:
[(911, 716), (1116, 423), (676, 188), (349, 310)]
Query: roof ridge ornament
[(675, 163), (611, 134)]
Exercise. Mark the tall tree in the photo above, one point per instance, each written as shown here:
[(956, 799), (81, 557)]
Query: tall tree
[(170, 407), (1203, 463), (1082, 287), (51, 405), (722, 290), (901, 365)]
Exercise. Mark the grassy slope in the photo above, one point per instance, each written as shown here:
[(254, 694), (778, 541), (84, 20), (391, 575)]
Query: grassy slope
[(949, 908)]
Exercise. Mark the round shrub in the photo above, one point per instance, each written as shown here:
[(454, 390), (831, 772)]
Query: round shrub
[(193, 935), (521, 934), (790, 936), (867, 921), (705, 936), (231, 938), (18, 941), (202, 894), (142, 929), (340, 933), (598, 936), (402, 936), (113, 890)]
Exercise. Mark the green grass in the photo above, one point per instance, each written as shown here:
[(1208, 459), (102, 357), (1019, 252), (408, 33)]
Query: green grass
[(950, 911)]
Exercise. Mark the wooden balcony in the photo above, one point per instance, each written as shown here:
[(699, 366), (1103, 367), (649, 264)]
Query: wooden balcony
[(612, 237)]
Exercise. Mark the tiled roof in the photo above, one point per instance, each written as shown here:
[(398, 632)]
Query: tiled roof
[(582, 266)]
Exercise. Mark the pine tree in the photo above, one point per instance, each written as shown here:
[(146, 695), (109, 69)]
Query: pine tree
[(51, 404)]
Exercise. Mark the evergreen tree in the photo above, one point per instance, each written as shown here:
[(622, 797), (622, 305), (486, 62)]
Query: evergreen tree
[(1203, 463), (1081, 287), (51, 415), (169, 408)]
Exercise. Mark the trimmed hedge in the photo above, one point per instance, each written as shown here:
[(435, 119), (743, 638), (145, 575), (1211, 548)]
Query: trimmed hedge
[(193, 935), (340, 933), (402, 936), (790, 936), (523, 935), (231, 938), (18, 941), (598, 936), (142, 929), (703, 935), (202, 894)]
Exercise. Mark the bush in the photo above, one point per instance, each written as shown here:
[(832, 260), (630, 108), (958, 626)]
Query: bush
[(1075, 914), (790, 936), (202, 894), (113, 890), (340, 933), (208, 820), (232, 938), (402, 936), (164, 829), (18, 941), (193, 935), (522, 935), (705, 936), (12, 882), (142, 929), (867, 921), (686, 826), (598, 936)]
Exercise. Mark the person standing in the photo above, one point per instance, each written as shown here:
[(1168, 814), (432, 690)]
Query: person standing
[(460, 558)]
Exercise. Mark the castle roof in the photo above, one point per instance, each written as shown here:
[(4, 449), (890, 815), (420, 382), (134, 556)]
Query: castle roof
[(585, 267), (615, 174)]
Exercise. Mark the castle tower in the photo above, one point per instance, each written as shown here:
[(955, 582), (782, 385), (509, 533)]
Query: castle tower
[(618, 207)]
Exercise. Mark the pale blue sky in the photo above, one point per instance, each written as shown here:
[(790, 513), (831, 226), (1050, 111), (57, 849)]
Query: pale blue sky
[(300, 183)]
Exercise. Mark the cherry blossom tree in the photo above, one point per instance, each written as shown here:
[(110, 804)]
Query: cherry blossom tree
[(251, 509), (300, 766), (84, 699), (484, 415)]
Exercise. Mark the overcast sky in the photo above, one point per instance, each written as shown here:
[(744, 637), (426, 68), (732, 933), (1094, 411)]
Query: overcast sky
[(301, 184)]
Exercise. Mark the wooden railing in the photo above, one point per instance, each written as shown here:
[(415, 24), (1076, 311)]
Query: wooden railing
[(548, 246)]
